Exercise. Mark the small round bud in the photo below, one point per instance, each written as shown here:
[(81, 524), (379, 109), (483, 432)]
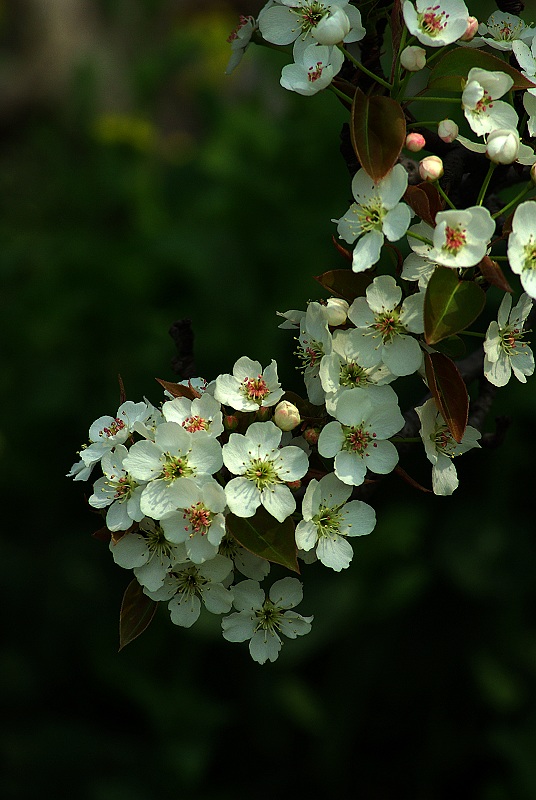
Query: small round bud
[(332, 28), (337, 309), (230, 422), (447, 130), (431, 168), (294, 484), (311, 436), (502, 146), (415, 142), (286, 416), (413, 58), (471, 30), (263, 414)]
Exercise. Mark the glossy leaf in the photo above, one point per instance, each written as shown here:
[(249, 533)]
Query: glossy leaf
[(345, 253), (264, 536), (425, 200), (453, 68), (494, 275), (450, 305), (137, 611), (378, 132), (345, 283), (449, 392), (178, 390)]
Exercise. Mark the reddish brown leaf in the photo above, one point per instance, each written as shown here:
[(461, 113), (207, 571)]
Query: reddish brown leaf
[(342, 250), (122, 393), (137, 611), (102, 535), (494, 274), (425, 200), (177, 390), (397, 25), (449, 392), (378, 132), (345, 283)]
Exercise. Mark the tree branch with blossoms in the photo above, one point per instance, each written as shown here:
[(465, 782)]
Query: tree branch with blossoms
[(203, 492)]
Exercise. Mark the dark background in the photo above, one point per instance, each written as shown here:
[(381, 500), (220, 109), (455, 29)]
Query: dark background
[(140, 185)]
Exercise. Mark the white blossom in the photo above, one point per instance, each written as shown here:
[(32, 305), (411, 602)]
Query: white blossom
[(377, 213), (313, 71), (365, 420), (249, 387), (199, 523), (106, 432), (522, 246), (461, 238), (239, 40), (504, 348), (263, 470), (503, 146), (148, 552), (502, 31), (441, 447), (436, 23), (309, 21), (262, 619), (482, 108), (202, 414), (314, 342), (118, 490), (328, 519)]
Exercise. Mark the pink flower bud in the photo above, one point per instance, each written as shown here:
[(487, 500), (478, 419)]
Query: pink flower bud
[(413, 58), (311, 436), (263, 414), (447, 130), (415, 142), (336, 309), (286, 416), (294, 484), (471, 30), (502, 146), (431, 168), (230, 422)]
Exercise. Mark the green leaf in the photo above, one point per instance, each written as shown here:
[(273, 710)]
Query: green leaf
[(453, 68), (137, 611), (449, 392), (264, 536), (378, 131), (345, 283), (453, 347), (450, 305)]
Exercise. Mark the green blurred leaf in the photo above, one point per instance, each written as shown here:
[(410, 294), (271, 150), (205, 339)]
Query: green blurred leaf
[(137, 611), (449, 392), (345, 283), (452, 346), (450, 305), (264, 536), (450, 71), (378, 131)]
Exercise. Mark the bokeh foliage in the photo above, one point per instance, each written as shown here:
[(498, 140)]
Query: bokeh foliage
[(210, 197)]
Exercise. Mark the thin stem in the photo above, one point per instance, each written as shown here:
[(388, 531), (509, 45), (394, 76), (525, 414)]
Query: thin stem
[(420, 238), (484, 188), (513, 202), (431, 99), (422, 124), (472, 333), (340, 94), (364, 69), (443, 194)]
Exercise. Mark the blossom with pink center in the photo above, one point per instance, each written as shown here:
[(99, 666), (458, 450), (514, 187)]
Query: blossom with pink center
[(504, 348), (199, 523), (502, 31), (310, 22), (482, 108), (202, 414), (436, 23), (239, 40), (461, 238), (313, 71), (249, 387)]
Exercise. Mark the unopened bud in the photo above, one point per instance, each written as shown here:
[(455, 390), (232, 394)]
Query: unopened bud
[(471, 30), (533, 174), (431, 168), (447, 130), (413, 58), (502, 146), (311, 436), (336, 309), (230, 422), (286, 416), (332, 28), (263, 414), (415, 142)]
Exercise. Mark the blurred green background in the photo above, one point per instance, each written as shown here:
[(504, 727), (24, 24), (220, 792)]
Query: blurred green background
[(140, 185)]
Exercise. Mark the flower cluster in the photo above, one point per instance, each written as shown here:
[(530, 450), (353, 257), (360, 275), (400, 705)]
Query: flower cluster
[(202, 494)]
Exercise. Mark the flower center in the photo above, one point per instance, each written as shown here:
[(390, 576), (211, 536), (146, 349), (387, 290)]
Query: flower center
[(175, 467), (455, 239), (243, 21), (484, 104), (268, 617), (388, 325), (199, 517), (309, 352), (315, 73), (123, 487), (190, 582), (443, 441), (431, 22), (328, 520), (261, 473), (357, 439), (371, 215), (157, 542), (193, 424), (310, 15), (530, 254), (115, 426), (353, 375), (255, 389), (511, 340)]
